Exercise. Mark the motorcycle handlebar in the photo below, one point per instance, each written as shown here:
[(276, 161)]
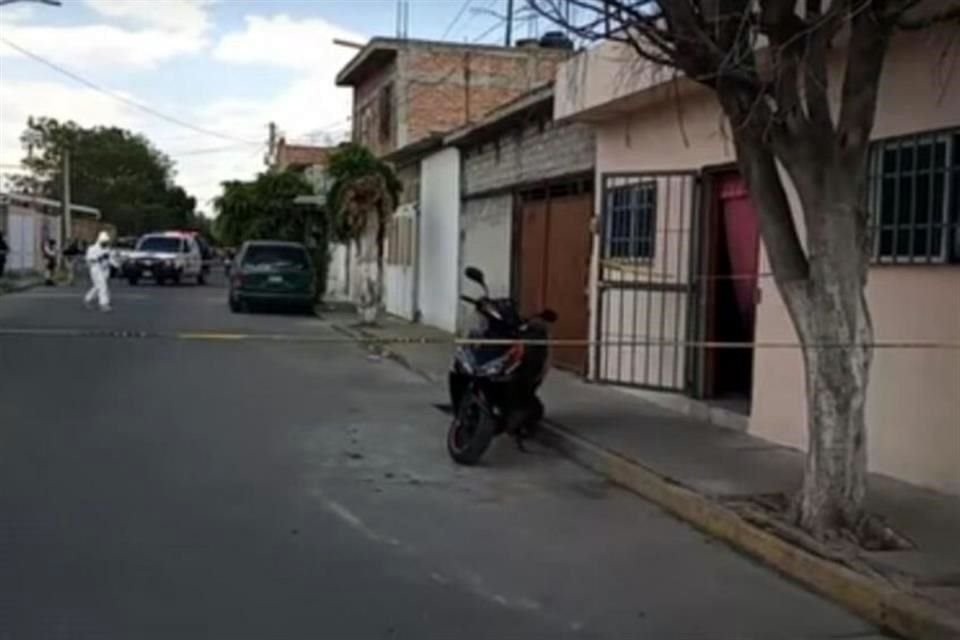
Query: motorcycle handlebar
[(546, 315)]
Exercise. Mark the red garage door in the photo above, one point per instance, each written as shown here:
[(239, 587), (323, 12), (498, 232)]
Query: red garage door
[(553, 259)]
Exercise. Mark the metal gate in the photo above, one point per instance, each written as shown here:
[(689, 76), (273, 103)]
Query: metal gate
[(22, 237), (401, 256), (649, 250)]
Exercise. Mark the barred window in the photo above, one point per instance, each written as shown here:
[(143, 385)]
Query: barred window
[(631, 221), (914, 198), (385, 113)]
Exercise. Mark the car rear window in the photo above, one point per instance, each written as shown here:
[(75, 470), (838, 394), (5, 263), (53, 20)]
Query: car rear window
[(160, 244), (275, 257)]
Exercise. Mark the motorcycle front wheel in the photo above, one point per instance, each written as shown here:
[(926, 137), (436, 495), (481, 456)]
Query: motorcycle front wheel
[(470, 432)]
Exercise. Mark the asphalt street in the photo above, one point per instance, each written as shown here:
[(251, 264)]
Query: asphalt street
[(162, 488)]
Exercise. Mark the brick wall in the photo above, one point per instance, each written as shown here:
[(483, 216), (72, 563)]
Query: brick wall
[(366, 110), (438, 88), (528, 154), (446, 88)]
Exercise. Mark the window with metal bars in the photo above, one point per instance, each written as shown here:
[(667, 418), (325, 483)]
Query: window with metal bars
[(914, 198), (631, 221), (385, 113)]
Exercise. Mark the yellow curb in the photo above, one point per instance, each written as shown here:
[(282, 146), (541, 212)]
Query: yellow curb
[(876, 601)]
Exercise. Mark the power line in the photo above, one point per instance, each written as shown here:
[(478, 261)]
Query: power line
[(198, 152), (163, 139), (477, 11), (424, 85), (118, 97), (456, 18), (492, 28)]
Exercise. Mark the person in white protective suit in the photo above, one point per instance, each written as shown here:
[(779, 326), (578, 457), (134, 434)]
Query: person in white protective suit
[(98, 260)]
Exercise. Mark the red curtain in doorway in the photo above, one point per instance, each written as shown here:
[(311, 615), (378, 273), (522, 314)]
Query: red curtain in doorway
[(743, 242)]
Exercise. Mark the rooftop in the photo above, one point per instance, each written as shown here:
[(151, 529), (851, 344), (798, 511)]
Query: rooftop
[(301, 155), (28, 200), (506, 115), (416, 149), (379, 51)]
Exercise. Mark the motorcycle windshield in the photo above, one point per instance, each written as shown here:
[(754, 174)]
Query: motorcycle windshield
[(484, 353)]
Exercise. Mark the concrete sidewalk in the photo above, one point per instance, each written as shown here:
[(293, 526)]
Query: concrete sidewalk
[(11, 284), (717, 464)]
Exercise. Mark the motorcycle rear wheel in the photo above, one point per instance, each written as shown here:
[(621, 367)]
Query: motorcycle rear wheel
[(471, 432)]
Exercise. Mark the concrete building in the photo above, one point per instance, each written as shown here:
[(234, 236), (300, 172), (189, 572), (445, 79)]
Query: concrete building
[(297, 157), (404, 90), (526, 209), (678, 256), (28, 221), (406, 94)]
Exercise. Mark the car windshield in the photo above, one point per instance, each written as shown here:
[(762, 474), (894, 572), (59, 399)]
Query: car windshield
[(160, 244), (275, 257)]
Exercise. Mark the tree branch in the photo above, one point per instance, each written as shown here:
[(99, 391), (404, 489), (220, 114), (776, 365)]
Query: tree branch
[(815, 63), (950, 14), (866, 51), (759, 168), (659, 51)]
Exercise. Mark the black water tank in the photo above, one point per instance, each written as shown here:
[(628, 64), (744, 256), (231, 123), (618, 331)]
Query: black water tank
[(556, 40)]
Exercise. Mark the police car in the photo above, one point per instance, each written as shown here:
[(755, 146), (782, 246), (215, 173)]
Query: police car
[(171, 256)]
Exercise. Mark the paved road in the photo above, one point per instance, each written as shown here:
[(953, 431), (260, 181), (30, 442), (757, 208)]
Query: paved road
[(157, 488)]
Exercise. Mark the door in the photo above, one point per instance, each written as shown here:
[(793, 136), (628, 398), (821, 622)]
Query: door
[(194, 261), (401, 243), (732, 257), (22, 238), (553, 257)]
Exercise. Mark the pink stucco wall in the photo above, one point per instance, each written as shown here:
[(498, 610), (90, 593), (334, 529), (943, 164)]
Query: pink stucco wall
[(914, 398)]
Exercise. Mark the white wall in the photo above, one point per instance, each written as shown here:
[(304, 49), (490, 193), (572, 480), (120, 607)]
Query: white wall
[(337, 269), (487, 230), (439, 238), (24, 229), (399, 268)]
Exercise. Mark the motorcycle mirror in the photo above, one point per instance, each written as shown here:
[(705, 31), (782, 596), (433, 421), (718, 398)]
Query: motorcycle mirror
[(549, 315), (475, 274)]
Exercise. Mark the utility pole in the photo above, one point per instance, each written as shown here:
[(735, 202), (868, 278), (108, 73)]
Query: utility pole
[(67, 220), (403, 19), (271, 144), (509, 34)]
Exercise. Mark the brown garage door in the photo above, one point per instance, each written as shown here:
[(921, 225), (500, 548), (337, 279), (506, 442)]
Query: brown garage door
[(553, 258)]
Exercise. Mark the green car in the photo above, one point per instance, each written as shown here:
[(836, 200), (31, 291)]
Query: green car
[(274, 273)]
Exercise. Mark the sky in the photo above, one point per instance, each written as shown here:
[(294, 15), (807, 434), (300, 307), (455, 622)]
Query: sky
[(227, 67)]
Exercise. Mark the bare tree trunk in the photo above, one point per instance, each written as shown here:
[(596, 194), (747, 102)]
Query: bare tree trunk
[(381, 238), (833, 322), (837, 332), (837, 366), (825, 295), (368, 298)]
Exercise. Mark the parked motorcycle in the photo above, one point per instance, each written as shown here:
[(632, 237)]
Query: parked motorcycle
[(493, 387)]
